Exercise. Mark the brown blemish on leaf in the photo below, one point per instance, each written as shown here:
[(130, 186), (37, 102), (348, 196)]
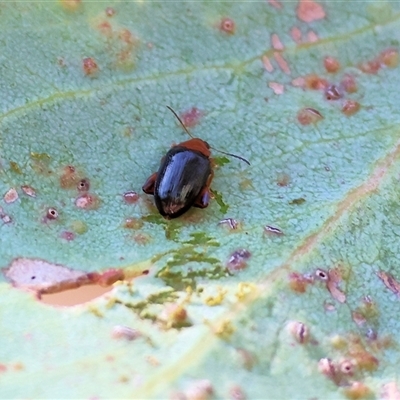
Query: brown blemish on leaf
[(40, 163), (331, 64), (110, 12), (276, 42), (334, 279), (10, 196), (70, 177), (191, 117), (131, 197), (350, 107), (133, 223), (370, 67), (15, 167), (275, 3), (71, 5), (298, 283), (267, 64), (314, 82), (295, 32), (349, 84), (173, 315), (87, 201), (357, 390), (307, 116), (309, 11), (278, 88), (390, 58), (299, 82), (283, 179), (29, 190), (389, 281), (90, 67), (142, 238), (43, 277), (238, 260), (228, 26), (5, 217), (283, 65), (312, 37), (68, 236), (105, 28)]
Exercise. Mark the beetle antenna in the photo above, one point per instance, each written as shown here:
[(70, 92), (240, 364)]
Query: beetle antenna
[(187, 131), (232, 155), (180, 121)]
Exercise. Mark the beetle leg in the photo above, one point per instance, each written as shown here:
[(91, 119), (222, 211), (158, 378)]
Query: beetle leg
[(148, 186), (203, 198)]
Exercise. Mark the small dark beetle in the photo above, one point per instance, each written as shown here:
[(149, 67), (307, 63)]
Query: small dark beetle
[(184, 177)]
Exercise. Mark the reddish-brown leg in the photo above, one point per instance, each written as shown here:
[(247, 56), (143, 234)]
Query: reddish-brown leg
[(148, 186), (203, 198)]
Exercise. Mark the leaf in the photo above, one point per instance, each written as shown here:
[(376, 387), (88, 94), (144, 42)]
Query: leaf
[(308, 93)]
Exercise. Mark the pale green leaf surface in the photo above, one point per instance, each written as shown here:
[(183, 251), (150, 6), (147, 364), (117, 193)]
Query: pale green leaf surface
[(115, 128)]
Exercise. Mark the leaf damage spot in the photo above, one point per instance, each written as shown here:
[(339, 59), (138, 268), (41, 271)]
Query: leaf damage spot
[(238, 260), (10, 196), (312, 37), (307, 116), (275, 3), (298, 282), (43, 277), (357, 390), (295, 33), (278, 88), (350, 107), (389, 281), (90, 67), (5, 217), (310, 10), (334, 279), (315, 82), (331, 64), (349, 84), (228, 26), (68, 236), (276, 42), (87, 201), (71, 5), (267, 64), (131, 197), (390, 58), (283, 65), (133, 223), (28, 190), (110, 12), (191, 118)]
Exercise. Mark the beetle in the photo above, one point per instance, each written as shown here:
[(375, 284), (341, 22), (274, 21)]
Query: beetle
[(184, 177)]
